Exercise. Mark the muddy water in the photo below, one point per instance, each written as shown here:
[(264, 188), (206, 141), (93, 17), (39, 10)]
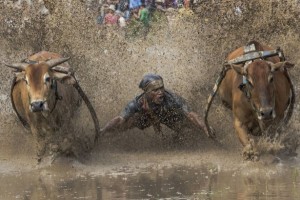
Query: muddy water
[(188, 52), (69, 179)]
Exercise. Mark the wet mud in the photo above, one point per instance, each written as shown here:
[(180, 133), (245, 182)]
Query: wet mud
[(187, 50)]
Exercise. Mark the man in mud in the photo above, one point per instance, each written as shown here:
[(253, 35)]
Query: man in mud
[(156, 106)]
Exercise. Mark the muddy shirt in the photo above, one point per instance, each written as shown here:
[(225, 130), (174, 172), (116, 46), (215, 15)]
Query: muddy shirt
[(172, 112)]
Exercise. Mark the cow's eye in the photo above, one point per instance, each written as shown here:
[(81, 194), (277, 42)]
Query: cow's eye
[(250, 83), (47, 79), (270, 79), (25, 81)]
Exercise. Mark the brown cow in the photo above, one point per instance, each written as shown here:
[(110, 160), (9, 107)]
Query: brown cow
[(44, 98), (263, 98)]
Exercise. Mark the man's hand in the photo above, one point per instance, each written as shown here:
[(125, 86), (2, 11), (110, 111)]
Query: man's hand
[(211, 132), (198, 122)]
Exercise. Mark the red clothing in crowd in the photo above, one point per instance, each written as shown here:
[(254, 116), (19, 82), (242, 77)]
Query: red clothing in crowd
[(110, 19)]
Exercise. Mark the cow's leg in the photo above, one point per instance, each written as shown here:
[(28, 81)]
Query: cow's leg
[(39, 143), (249, 151)]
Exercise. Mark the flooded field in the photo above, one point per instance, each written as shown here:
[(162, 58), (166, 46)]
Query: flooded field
[(170, 175), (187, 49)]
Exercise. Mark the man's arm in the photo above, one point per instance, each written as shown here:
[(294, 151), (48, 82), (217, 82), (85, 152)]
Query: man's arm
[(197, 121), (123, 121), (113, 125)]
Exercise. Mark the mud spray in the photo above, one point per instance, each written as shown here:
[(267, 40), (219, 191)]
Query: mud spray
[(187, 49)]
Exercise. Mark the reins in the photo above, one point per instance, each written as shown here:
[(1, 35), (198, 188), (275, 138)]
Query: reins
[(211, 97), (57, 96), (90, 107)]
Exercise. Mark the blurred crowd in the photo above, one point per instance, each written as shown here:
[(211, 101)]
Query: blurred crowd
[(121, 12)]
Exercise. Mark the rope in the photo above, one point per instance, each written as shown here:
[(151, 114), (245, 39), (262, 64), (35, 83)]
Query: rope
[(292, 101), (90, 107), (23, 121), (211, 97)]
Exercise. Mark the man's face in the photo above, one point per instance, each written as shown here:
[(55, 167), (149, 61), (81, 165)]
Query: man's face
[(157, 95)]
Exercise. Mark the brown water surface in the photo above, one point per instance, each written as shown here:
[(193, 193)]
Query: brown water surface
[(181, 178)]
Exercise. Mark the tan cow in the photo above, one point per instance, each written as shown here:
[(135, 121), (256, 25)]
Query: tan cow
[(258, 91), (44, 98)]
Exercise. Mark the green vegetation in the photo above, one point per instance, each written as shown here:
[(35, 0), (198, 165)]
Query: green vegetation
[(135, 29)]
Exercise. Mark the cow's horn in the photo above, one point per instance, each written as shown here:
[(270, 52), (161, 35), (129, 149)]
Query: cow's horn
[(54, 62), (18, 66), (278, 65), (239, 69)]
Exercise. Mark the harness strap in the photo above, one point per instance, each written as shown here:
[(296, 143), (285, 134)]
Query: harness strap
[(57, 96), (23, 121), (211, 97), (254, 55), (291, 105), (90, 107)]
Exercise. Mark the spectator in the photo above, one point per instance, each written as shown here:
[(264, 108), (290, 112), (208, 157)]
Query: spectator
[(100, 18), (180, 3), (110, 18), (160, 3), (133, 4), (144, 17), (187, 4), (121, 20), (127, 12), (123, 5), (135, 13)]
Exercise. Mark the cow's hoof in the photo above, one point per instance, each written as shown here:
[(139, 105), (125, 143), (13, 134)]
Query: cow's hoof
[(211, 133), (250, 153), (47, 160), (255, 158), (251, 157), (39, 160)]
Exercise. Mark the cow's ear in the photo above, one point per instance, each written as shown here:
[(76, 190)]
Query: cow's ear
[(20, 75), (64, 78), (280, 65), (238, 68)]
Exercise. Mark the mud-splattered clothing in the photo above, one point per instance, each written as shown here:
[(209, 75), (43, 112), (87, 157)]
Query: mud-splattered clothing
[(172, 112)]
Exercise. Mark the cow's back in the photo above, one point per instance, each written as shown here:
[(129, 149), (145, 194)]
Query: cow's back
[(43, 56)]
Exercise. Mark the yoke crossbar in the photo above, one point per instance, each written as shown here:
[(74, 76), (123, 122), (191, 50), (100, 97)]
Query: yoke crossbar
[(257, 54)]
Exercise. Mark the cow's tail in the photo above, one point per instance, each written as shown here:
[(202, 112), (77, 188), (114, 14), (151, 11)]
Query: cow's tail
[(291, 103), (91, 109), (211, 97)]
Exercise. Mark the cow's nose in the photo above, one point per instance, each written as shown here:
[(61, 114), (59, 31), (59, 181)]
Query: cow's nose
[(266, 113), (37, 106)]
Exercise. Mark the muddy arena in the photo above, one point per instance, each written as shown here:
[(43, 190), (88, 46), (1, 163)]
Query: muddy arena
[(187, 48)]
